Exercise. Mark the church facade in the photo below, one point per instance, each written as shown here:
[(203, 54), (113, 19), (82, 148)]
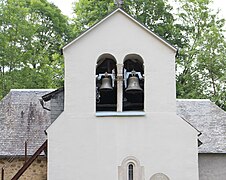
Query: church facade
[(119, 119)]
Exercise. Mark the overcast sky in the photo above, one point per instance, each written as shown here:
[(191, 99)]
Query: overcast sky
[(64, 5)]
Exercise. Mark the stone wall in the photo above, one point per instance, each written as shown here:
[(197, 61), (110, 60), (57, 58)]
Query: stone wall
[(37, 170)]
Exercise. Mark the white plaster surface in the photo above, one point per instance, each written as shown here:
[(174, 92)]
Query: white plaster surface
[(159, 176), (120, 36), (83, 146)]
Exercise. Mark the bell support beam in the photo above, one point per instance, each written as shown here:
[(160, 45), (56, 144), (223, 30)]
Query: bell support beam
[(119, 87)]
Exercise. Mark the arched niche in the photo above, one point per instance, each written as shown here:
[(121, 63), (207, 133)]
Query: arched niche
[(130, 159), (106, 86), (129, 164), (133, 85)]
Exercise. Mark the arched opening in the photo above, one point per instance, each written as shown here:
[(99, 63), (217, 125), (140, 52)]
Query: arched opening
[(130, 172), (106, 86), (133, 86), (130, 169)]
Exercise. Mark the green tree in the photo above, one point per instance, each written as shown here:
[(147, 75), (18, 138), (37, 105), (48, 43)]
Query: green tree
[(155, 15), (31, 34), (89, 12), (202, 60)]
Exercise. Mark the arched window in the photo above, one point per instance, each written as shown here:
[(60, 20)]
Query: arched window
[(130, 172), (130, 169), (133, 89), (106, 86)]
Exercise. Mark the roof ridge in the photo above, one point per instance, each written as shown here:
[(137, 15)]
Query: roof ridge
[(21, 90)]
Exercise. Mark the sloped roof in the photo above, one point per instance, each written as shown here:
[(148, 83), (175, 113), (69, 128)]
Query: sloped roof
[(22, 118), (209, 119), (119, 10), (50, 95)]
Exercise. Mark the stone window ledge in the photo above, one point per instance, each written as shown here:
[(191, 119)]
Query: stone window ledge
[(125, 113)]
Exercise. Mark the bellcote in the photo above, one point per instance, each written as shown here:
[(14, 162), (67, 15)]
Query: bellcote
[(119, 66)]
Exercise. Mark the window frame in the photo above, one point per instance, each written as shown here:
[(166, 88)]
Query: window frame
[(138, 171)]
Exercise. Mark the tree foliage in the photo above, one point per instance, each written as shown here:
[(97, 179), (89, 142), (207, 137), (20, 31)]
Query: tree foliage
[(195, 29), (89, 12), (202, 60), (154, 14), (31, 34), (33, 31)]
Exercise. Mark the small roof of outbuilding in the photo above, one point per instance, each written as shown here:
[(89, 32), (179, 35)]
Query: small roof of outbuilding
[(119, 10), (209, 119), (50, 95), (22, 118)]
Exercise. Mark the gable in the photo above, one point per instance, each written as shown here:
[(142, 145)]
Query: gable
[(130, 18)]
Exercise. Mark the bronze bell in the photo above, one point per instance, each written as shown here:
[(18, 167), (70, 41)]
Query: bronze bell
[(133, 85), (106, 84)]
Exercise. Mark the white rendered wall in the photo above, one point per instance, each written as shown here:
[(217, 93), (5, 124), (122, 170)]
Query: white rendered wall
[(83, 146)]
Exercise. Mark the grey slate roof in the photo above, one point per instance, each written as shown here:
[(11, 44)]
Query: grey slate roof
[(22, 118), (209, 119)]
